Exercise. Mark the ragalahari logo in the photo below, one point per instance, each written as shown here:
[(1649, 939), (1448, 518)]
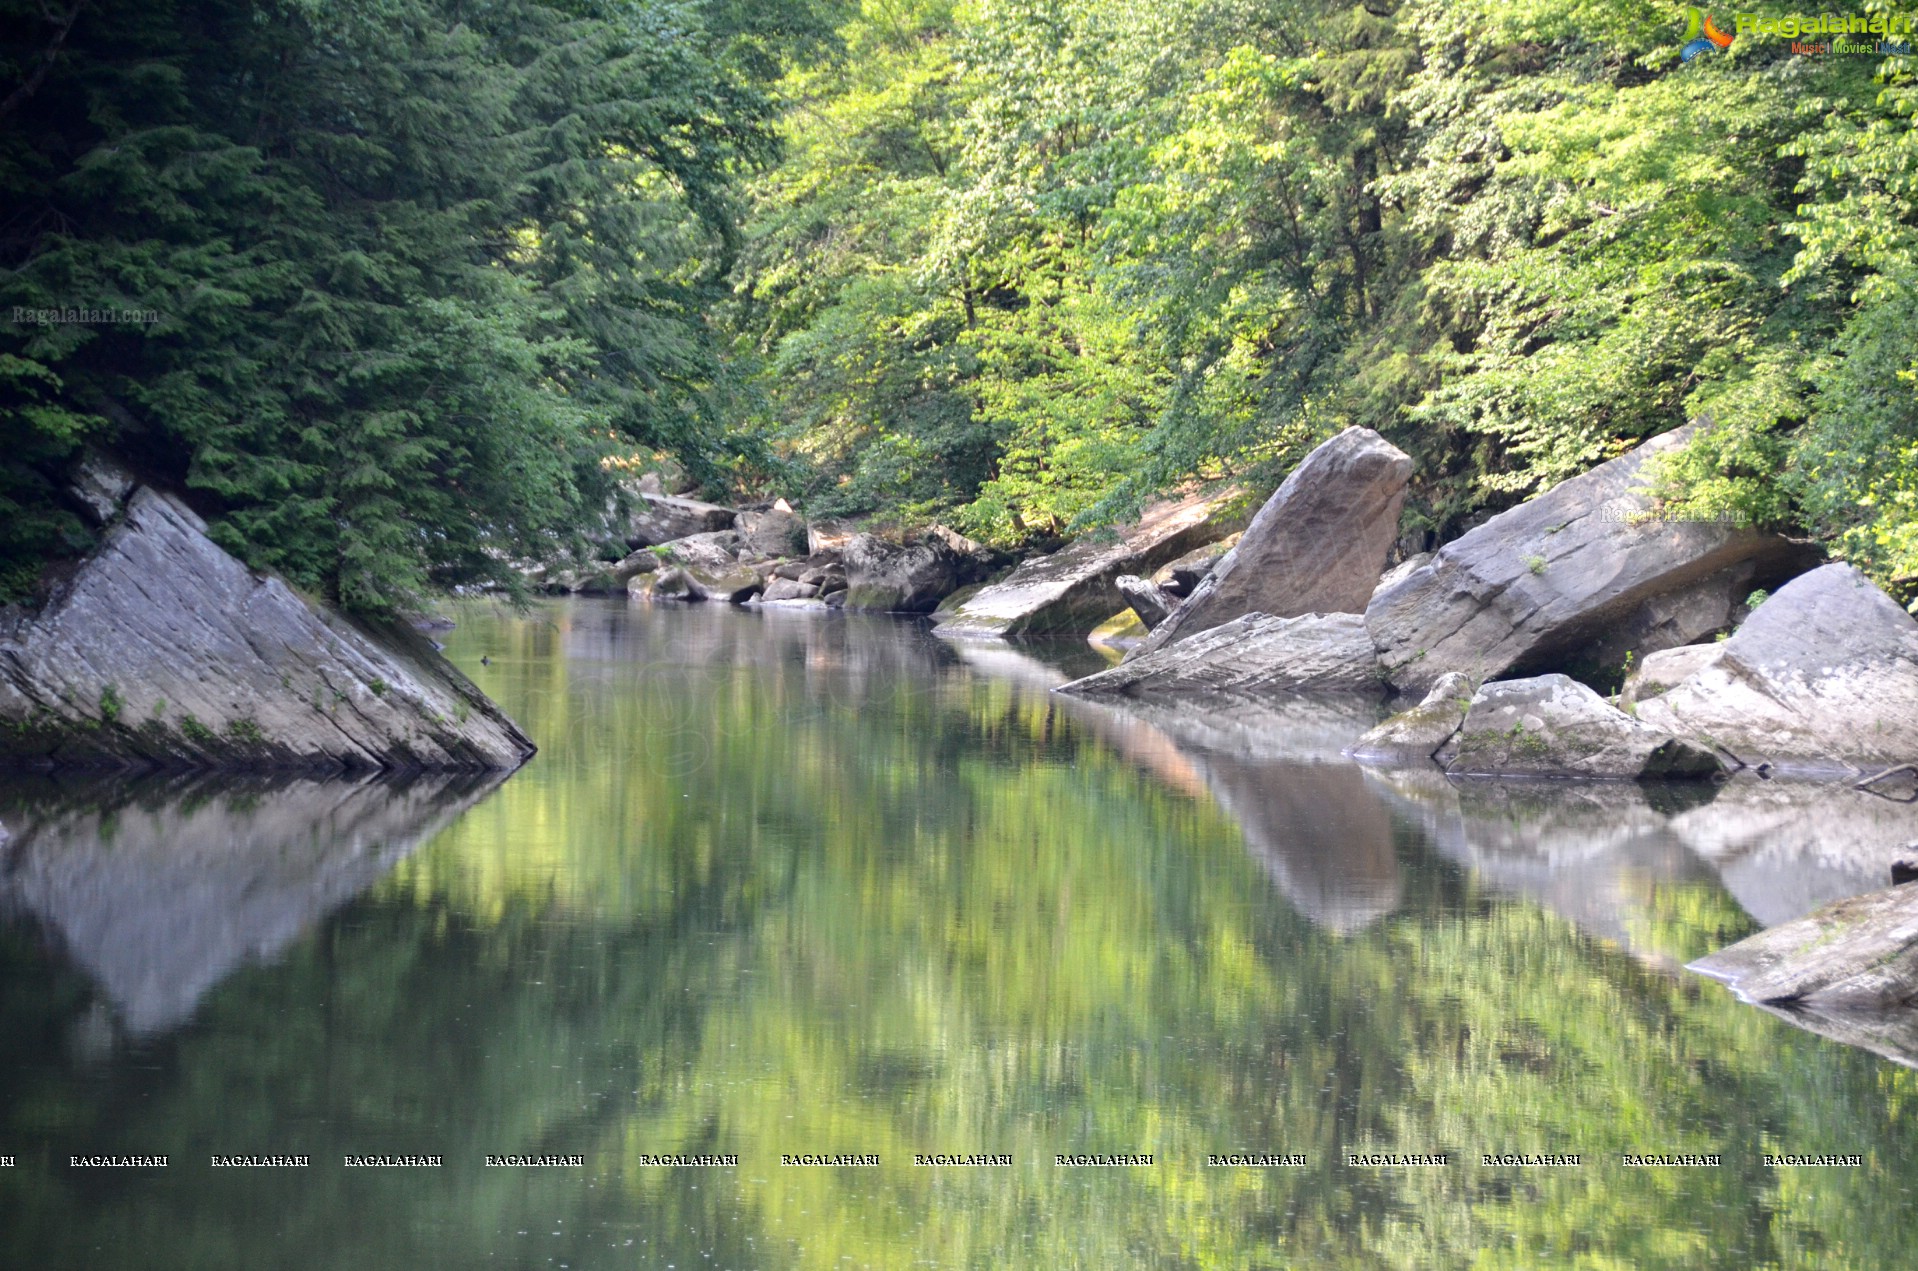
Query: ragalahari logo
[(1701, 34)]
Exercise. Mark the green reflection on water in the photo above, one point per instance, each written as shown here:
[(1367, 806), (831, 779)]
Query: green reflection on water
[(780, 883)]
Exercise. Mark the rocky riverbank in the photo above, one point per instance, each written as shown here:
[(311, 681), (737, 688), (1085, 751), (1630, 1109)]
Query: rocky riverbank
[(1732, 650), (1732, 647), (681, 549), (1584, 633)]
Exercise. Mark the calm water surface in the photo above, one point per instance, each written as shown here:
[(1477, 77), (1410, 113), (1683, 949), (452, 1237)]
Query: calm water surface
[(792, 884)]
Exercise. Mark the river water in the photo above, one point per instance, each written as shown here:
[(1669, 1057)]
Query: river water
[(791, 885)]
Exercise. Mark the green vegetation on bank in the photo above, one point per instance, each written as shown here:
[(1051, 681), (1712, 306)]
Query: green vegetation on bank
[(421, 266), (1024, 264), (383, 280)]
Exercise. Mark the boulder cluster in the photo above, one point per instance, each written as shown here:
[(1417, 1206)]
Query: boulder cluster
[(679, 548), (1736, 647)]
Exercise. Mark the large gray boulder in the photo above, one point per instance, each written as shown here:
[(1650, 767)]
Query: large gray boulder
[(1572, 581), (1822, 677), (661, 518), (676, 582), (1553, 726), (788, 589), (715, 553), (1311, 653), (705, 567), (163, 650), (1076, 588), (1317, 546), (910, 577), (1415, 735)]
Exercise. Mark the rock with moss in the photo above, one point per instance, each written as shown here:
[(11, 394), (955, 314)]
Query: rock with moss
[(1574, 579), (1553, 726), (1856, 953), (1823, 677), (704, 567), (163, 651), (1415, 735), (1659, 672)]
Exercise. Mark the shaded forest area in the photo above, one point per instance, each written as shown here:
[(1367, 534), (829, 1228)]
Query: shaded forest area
[(416, 282)]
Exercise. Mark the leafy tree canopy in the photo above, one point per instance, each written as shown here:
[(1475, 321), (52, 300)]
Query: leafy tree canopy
[(416, 268)]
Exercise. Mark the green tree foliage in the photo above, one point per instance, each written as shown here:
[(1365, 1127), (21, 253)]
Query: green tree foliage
[(1026, 264), (413, 266), (419, 265)]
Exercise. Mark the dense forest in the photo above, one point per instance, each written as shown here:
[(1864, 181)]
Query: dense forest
[(397, 290)]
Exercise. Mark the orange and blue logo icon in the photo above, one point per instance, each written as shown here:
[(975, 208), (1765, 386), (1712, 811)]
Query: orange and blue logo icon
[(1701, 34)]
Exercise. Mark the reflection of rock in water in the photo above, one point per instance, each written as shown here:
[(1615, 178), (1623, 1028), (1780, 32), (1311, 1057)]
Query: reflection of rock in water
[(1892, 1034), (1323, 838), (160, 889), (1029, 663), (822, 657), (1298, 729), (1589, 851), (1785, 848)]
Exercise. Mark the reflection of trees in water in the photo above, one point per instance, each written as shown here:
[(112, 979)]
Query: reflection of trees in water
[(946, 913)]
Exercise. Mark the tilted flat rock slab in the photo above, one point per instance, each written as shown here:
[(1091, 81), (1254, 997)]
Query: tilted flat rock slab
[(163, 650), (1553, 726), (1822, 676), (1577, 575), (1076, 588), (1147, 599), (1317, 546), (1311, 653), (1857, 953)]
